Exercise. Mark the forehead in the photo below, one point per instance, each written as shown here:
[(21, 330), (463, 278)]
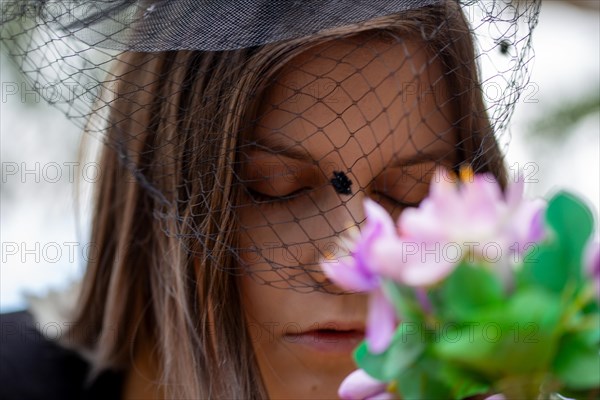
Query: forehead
[(350, 98)]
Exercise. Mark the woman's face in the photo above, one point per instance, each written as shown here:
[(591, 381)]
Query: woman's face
[(376, 111)]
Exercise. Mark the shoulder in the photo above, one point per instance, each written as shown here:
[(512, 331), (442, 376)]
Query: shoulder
[(33, 367)]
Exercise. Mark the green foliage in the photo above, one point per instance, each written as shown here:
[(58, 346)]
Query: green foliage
[(422, 382), (404, 301), (515, 338), (402, 354), (558, 122), (468, 288), (577, 363), (559, 259), (481, 336)]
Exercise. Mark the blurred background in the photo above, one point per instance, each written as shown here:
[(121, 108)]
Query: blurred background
[(45, 185)]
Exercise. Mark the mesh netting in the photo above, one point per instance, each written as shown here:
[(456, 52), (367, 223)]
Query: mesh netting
[(255, 129)]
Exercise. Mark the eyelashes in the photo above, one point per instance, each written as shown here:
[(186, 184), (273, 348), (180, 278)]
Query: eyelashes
[(396, 202), (265, 199), (262, 198)]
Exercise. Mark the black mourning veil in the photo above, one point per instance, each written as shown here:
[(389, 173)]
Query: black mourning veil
[(162, 82)]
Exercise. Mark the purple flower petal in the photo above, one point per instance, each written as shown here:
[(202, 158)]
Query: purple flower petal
[(592, 258), (473, 212), (381, 322), (379, 224), (379, 218), (422, 274), (484, 190), (443, 193), (422, 222), (382, 396), (497, 396), (592, 263), (526, 225), (421, 295), (410, 263), (515, 190), (359, 385), (481, 204), (536, 227), (346, 275), (386, 256)]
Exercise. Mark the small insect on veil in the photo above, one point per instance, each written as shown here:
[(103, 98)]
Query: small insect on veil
[(184, 93)]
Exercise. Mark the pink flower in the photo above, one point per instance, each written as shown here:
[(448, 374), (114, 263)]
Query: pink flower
[(474, 211), (525, 224), (592, 263), (453, 222), (497, 396), (361, 386), (356, 273), (471, 219), (401, 261)]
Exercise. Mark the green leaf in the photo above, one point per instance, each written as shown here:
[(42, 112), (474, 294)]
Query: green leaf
[(577, 363), (406, 347), (462, 383), (559, 261), (572, 221), (518, 338), (528, 386), (422, 381), (404, 301), (545, 266), (468, 289)]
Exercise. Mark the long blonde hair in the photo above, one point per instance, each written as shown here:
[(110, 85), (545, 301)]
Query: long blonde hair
[(162, 279)]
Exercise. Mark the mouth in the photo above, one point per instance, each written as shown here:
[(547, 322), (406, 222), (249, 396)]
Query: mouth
[(333, 338)]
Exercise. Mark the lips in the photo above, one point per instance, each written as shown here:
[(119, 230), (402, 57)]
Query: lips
[(334, 337)]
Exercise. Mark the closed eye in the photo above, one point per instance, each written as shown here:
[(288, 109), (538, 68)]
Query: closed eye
[(397, 202), (260, 197)]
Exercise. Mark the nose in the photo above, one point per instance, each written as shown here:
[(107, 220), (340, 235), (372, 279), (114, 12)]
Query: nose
[(348, 211), (349, 214), (345, 215)]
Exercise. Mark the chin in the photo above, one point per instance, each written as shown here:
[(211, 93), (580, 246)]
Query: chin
[(321, 383)]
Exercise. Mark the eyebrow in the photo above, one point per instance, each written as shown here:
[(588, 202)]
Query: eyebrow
[(276, 146), (422, 157)]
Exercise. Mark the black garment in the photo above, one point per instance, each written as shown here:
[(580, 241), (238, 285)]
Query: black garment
[(33, 367)]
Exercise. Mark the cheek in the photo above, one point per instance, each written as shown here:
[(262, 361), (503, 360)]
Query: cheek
[(274, 300), (262, 304), (270, 314), (288, 371), (284, 255), (270, 271)]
